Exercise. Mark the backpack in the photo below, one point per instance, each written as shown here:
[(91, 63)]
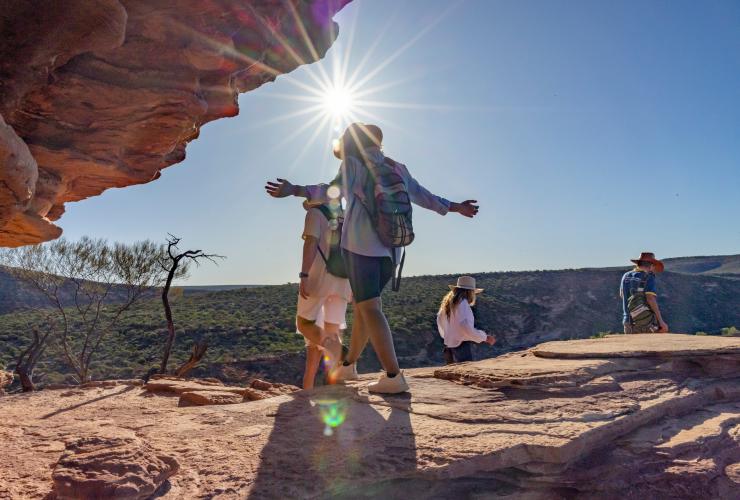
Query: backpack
[(641, 316), (389, 205), (334, 262)]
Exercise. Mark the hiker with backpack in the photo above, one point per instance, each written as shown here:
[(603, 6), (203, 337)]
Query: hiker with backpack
[(456, 323), (378, 193), (639, 296), (324, 290)]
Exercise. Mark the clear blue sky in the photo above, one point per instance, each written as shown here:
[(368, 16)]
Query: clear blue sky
[(588, 131)]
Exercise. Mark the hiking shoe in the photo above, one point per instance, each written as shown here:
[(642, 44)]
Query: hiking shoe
[(342, 372), (387, 385)]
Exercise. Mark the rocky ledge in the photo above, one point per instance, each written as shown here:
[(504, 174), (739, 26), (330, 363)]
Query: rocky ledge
[(97, 94), (642, 416)]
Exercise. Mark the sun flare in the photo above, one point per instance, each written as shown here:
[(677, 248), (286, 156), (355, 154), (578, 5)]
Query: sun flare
[(338, 101), (335, 95)]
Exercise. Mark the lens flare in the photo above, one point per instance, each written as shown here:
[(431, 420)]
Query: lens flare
[(333, 412)]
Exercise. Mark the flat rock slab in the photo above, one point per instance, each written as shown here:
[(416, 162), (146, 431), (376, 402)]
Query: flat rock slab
[(201, 398), (638, 346), (118, 467), (622, 427), (526, 371)]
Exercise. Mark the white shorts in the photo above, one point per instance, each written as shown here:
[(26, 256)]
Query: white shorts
[(331, 309)]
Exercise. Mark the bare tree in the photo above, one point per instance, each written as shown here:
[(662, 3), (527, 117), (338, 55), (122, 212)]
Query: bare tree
[(199, 350), (89, 285), (27, 359), (175, 264)]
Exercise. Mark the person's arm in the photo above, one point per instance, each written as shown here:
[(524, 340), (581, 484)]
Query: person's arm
[(311, 235), (652, 301), (440, 324), (310, 249), (651, 296), (314, 192), (467, 324), (424, 198)]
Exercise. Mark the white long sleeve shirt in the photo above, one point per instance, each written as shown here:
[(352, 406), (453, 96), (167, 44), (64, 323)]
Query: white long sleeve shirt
[(460, 326), (358, 232)]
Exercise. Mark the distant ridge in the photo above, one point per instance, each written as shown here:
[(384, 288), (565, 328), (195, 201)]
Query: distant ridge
[(712, 264)]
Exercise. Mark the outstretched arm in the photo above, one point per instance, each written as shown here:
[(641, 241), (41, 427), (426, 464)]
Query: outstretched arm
[(467, 208), (316, 192), (283, 188), (424, 198)]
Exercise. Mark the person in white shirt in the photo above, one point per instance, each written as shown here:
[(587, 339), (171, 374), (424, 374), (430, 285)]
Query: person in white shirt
[(369, 262), (456, 323), (322, 297)]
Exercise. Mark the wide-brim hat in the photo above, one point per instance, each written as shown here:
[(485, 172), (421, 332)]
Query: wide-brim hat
[(362, 135), (650, 257), (466, 283)]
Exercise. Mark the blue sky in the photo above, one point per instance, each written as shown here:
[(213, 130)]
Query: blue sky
[(588, 131)]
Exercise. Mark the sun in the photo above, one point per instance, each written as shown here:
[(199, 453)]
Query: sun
[(338, 101), (344, 88)]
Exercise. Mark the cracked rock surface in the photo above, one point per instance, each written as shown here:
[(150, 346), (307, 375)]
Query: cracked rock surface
[(664, 423)]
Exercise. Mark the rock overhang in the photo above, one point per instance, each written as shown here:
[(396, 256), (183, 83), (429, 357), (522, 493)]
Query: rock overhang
[(107, 93)]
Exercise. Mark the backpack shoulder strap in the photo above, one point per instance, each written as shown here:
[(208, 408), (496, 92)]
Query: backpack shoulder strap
[(326, 211)]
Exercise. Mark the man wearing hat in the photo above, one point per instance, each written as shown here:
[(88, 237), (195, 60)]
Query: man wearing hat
[(640, 297)]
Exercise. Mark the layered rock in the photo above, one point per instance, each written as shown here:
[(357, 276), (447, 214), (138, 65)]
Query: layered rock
[(97, 467), (213, 392), (97, 94), (622, 417)]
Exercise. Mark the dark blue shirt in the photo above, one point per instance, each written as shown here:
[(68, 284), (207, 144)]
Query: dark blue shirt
[(630, 284)]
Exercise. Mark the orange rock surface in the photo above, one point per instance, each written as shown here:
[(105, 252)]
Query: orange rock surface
[(664, 423), (97, 94)]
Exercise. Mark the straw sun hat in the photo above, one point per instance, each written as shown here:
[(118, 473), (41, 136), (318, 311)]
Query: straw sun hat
[(466, 283)]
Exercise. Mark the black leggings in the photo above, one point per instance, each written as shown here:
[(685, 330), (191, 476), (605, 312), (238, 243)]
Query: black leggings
[(459, 354), (367, 275)]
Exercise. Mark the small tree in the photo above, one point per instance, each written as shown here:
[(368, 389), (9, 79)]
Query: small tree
[(175, 263), (89, 284), (25, 363)]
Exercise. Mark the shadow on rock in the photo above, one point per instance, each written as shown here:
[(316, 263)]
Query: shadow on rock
[(331, 442)]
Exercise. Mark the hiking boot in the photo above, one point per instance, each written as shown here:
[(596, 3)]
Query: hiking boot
[(342, 373), (388, 385)]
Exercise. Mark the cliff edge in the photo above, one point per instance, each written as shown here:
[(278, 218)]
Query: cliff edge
[(643, 416)]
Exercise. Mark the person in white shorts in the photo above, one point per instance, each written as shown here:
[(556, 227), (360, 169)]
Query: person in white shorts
[(322, 297)]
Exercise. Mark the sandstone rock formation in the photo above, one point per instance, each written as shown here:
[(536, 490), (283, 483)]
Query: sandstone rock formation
[(97, 94), (96, 467), (213, 392), (622, 417)]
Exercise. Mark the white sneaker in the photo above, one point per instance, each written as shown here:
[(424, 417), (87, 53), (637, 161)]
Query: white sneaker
[(342, 372), (387, 385)]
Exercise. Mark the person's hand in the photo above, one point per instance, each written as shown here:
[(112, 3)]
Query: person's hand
[(303, 288), (467, 208), (663, 327), (490, 339), (280, 189)]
